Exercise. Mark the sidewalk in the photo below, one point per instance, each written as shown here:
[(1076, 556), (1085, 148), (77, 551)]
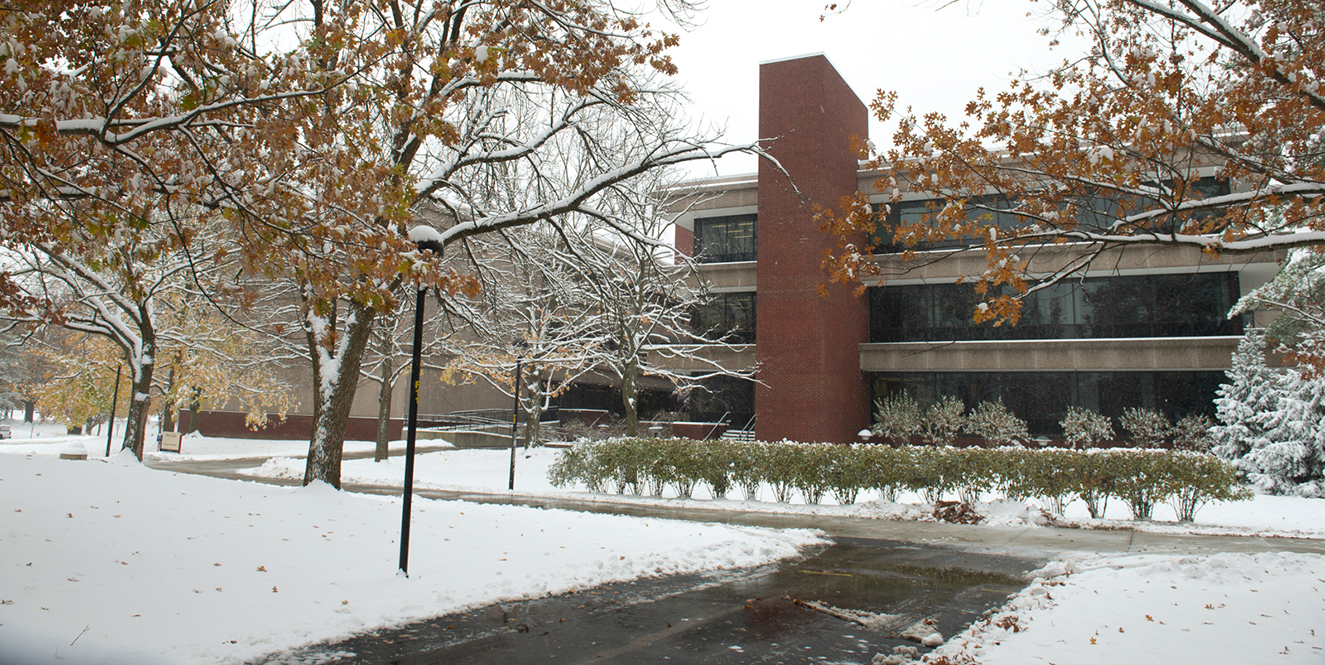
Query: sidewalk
[(975, 537)]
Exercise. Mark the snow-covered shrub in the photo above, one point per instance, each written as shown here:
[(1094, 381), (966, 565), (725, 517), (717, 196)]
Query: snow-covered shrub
[(716, 468), (889, 469), (1197, 479), (897, 418), (997, 425), (943, 420), (1149, 428), (1192, 432), (1141, 478), (811, 469), (850, 471), (747, 467), (1252, 390), (1083, 428), (1095, 480), (975, 471)]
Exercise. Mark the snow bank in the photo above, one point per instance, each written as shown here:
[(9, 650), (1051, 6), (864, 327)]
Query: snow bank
[(109, 561)]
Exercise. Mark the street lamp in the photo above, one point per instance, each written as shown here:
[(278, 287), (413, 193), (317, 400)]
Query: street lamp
[(426, 238), (520, 346), (114, 404)]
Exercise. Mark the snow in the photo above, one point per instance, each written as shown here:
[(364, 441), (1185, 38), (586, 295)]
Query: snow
[(78, 520), (1222, 608), (424, 233), (109, 561)]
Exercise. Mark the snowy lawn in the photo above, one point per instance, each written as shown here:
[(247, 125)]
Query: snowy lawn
[(109, 561), (1249, 608), (1223, 608)]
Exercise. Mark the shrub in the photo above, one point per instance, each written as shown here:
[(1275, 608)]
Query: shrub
[(1083, 428), (974, 471), (1197, 479), (1193, 433), (888, 469), (943, 420), (851, 471), (811, 470), (747, 467), (1142, 478), (778, 468), (1094, 480), (897, 418), (716, 468), (1149, 428), (1051, 474), (997, 425)]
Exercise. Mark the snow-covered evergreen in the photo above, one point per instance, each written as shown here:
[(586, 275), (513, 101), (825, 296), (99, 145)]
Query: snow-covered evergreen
[(1272, 423)]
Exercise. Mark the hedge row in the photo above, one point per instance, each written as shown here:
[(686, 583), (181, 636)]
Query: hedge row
[(1141, 478)]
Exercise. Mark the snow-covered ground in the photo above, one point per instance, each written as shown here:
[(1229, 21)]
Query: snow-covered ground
[(1223, 608), (317, 548), (107, 561)]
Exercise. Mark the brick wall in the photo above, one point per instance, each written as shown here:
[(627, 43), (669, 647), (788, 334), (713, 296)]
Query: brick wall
[(813, 389), (685, 241)]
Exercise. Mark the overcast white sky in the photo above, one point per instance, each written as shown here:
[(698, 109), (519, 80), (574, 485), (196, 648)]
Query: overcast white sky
[(934, 57)]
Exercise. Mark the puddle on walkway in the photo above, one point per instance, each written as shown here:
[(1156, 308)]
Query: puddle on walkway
[(724, 617)]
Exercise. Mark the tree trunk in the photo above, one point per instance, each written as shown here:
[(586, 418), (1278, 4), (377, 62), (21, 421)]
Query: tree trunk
[(534, 412), (29, 408), (334, 382), (135, 426), (629, 392), (194, 407), (384, 405), (167, 407)]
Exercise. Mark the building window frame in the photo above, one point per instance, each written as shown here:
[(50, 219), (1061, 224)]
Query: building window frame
[(729, 317), (726, 238), (1189, 304)]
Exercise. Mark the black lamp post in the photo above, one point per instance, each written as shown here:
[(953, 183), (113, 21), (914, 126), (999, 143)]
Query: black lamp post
[(434, 244), (114, 404), (515, 413)]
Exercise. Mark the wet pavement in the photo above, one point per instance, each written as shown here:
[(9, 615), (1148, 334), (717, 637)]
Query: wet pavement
[(844, 604)]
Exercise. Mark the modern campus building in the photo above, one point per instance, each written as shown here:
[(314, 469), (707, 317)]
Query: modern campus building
[(1143, 327)]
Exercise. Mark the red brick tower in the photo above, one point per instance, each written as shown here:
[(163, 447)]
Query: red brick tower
[(812, 387)]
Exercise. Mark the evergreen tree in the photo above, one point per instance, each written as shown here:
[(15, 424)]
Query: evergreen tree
[(1272, 425), (1252, 389), (1290, 457)]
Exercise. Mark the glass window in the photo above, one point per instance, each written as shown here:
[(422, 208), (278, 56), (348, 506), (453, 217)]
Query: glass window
[(727, 316), (1179, 305), (1096, 211), (722, 399), (727, 238)]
